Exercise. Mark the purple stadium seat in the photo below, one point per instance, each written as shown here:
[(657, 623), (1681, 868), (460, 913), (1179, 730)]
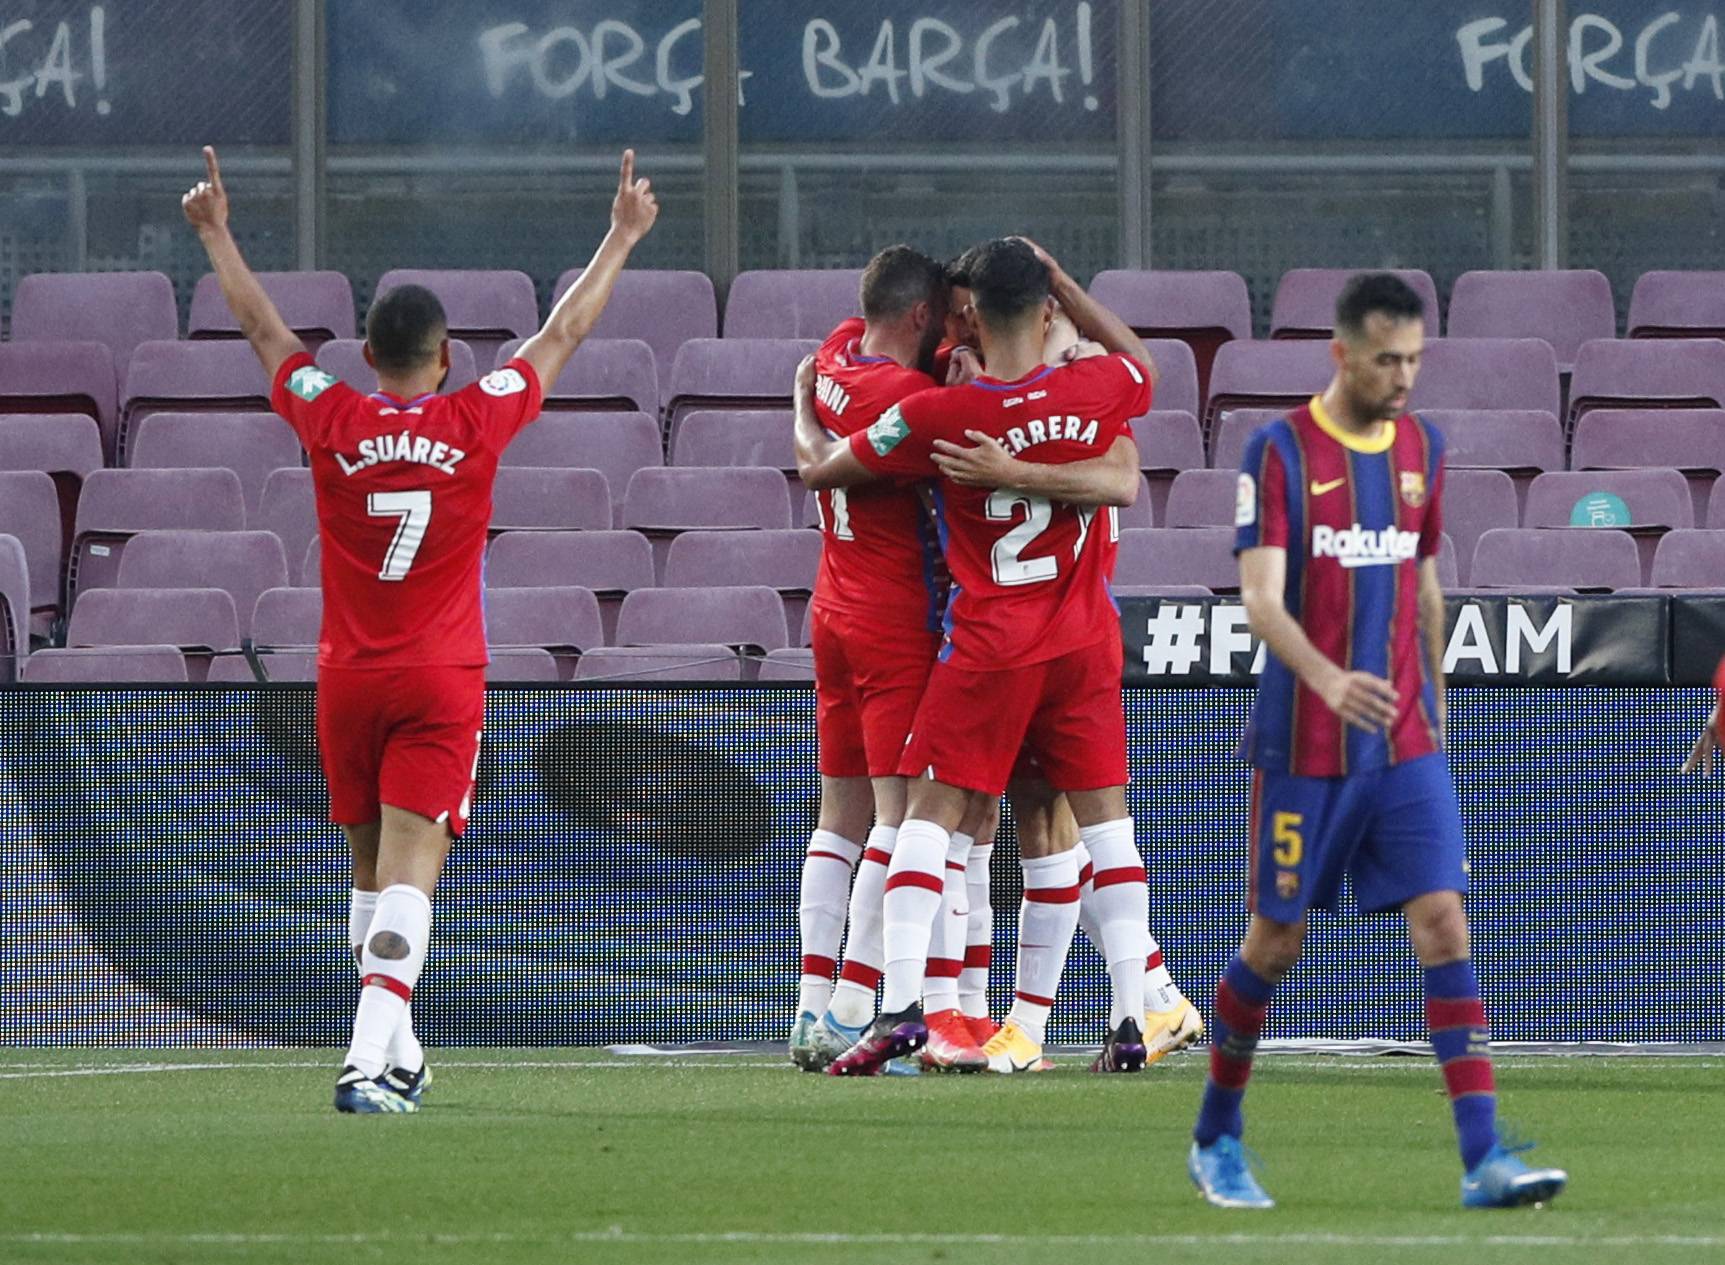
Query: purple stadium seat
[(485, 307), (30, 511), (1475, 502), (1689, 559), (318, 306), (1305, 303), (1517, 558), (1678, 305), (252, 445), (1489, 373), (1266, 375), (1523, 442), (1177, 380), (194, 619), (687, 662), (201, 377), (604, 375), (54, 443), (1228, 444), (794, 663), (1690, 440), (1169, 441), (604, 561), (664, 309), (14, 606), (1202, 498), (61, 378), (748, 616), (615, 444), (1170, 591), (311, 566), (288, 507), (1564, 307), (676, 499), (117, 504), (1657, 499), (1201, 309), (1142, 511), (711, 437), (733, 373), (1162, 556), (244, 563), (1448, 573), (344, 358), (786, 561), (1648, 373), (533, 498), (128, 665), (792, 303), (563, 619), (288, 617), (523, 665), (121, 309), (281, 665)]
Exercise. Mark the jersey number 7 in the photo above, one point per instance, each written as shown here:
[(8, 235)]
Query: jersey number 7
[(413, 510)]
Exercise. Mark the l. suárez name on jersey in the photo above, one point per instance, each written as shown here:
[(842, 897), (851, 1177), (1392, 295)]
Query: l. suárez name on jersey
[(1358, 546), (403, 447)]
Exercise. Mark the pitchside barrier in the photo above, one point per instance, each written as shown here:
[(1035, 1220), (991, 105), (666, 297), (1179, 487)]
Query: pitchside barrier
[(167, 876)]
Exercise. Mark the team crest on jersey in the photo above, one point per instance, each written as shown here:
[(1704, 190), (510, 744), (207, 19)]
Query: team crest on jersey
[(1414, 488), (503, 382), (1246, 501), (888, 432), (309, 383)]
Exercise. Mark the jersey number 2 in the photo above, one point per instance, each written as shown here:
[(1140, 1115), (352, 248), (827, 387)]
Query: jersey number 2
[(413, 509), (1009, 567)]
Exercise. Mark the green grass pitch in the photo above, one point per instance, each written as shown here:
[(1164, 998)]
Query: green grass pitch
[(558, 1156)]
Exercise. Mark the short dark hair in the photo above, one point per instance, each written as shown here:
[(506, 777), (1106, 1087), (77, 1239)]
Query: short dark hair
[(959, 266), (404, 327), (1007, 279), (1369, 292), (899, 278)]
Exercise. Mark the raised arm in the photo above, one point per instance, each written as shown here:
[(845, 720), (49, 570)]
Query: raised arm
[(1111, 479), (1094, 321), (822, 461), (206, 208), (633, 212)]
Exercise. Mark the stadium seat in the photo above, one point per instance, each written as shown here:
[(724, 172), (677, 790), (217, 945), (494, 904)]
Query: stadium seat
[(658, 664), (615, 444), (344, 358), (311, 566), (562, 620), (201, 377), (711, 437), (120, 309), (318, 306), (61, 378), (523, 665), (1684, 373), (793, 663), (288, 507), (252, 445), (1678, 305), (1305, 302), (282, 665), (1525, 442), (30, 512), (675, 499), (129, 665), (1489, 373), (1164, 591), (1448, 572), (663, 309), (604, 375), (1279, 375), (115, 505), (1168, 442), (1689, 559), (1475, 502), (1656, 499), (1162, 556), (1228, 444), (733, 373), (14, 606), (288, 618), (242, 563), (1690, 440), (1564, 307), (1202, 498), (198, 621), (792, 303), (751, 617), (1177, 376), (485, 307), (610, 563), (533, 498), (786, 561), (57, 444), (1201, 309), (1142, 511), (1519, 558)]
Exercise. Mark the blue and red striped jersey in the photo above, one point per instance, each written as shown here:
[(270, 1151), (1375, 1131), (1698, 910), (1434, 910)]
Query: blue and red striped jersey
[(1356, 517)]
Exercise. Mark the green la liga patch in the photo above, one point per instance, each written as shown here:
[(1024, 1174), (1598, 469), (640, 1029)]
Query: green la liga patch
[(888, 432), (309, 383)]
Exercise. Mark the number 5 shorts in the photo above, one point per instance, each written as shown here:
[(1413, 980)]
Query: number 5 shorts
[(406, 737)]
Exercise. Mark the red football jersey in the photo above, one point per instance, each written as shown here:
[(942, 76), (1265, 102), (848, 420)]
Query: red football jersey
[(880, 561), (403, 505), (1030, 576)]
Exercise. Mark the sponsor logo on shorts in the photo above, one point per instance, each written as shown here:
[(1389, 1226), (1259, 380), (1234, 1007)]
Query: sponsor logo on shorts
[(503, 382), (888, 432), (1358, 546), (1287, 884), (309, 382)]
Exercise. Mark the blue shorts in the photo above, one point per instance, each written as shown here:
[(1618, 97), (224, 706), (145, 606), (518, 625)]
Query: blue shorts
[(1396, 832)]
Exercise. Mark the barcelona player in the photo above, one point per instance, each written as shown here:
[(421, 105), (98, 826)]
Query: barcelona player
[(1339, 521), (403, 479)]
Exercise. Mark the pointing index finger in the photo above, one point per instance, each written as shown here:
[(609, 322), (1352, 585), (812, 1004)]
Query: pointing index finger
[(212, 166), (627, 178)]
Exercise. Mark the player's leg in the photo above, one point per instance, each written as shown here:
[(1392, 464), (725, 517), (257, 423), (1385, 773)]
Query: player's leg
[(951, 1045), (979, 929), (847, 807), (406, 1055)]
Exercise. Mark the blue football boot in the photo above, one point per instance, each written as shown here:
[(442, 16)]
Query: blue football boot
[(1222, 1172), (1503, 1180)]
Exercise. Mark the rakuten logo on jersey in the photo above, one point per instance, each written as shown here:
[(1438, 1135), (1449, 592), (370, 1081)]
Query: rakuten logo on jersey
[(1358, 547)]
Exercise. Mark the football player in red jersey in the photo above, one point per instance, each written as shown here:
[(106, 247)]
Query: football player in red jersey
[(1032, 653), (403, 479)]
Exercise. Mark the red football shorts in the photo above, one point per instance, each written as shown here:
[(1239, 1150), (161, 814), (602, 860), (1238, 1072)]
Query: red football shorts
[(1066, 712), (867, 687), (406, 737)]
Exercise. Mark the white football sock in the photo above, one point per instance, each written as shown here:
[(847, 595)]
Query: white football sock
[(404, 1051), (1122, 905), (952, 924), (1046, 922), (915, 887), (1088, 922), (1160, 990), (826, 889), (979, 934), (852, 1001), (393, 958)]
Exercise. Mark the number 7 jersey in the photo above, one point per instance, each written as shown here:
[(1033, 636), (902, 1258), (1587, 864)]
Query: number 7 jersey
[(403, 508), (1030, 576)]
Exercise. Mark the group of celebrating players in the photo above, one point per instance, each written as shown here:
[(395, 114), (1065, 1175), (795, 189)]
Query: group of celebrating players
[(966, 644)]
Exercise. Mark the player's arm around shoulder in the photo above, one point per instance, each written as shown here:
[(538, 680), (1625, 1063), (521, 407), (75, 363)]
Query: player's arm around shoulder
[(1111, 479), (880, 450)]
